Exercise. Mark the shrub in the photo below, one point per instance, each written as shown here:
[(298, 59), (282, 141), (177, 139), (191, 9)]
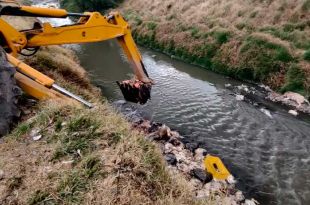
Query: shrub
[(307, 55), (263, 57), (222, 36), (295, 79)]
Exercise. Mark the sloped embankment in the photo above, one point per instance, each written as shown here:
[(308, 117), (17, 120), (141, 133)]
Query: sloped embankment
[(263, 41), (63, 153)]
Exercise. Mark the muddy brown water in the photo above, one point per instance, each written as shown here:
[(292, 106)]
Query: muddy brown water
[(269, 155)]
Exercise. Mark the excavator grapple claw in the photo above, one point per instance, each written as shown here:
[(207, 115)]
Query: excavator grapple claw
[(135, 91)]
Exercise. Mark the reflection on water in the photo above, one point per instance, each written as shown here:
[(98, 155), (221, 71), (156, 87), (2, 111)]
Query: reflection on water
[(269, 156)]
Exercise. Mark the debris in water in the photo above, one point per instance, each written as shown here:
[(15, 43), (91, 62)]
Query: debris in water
[(240, 97), (266, 112), (293, 112), (135, 91)]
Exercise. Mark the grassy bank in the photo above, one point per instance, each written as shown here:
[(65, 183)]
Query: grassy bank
[(265, 41), (67, 154)]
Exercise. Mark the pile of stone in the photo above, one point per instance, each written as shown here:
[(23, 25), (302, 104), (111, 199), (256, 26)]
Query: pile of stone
[(187, 159)]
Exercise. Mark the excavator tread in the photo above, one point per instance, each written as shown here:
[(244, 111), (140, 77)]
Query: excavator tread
[(9, 95)]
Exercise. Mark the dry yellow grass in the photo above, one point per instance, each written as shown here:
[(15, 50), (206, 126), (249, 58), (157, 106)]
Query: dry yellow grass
[(216, 32), (85, 156)]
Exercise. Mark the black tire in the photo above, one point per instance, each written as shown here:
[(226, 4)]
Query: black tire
[(9, 94)]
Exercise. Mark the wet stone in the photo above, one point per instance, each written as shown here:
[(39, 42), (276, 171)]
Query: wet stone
[(174, 141), (202, 175), (154, 127), (192, 146), (171, 159)]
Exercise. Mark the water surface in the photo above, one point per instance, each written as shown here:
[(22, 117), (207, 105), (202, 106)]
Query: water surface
[(268, 155)]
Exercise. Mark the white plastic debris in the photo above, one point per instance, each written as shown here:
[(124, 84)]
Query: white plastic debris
[(240, 97), (266, 112), (37, 137), (293, 112)]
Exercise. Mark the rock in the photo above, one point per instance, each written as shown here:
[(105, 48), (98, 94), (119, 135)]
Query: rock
[(174, 141), (250, 202), (215, 186), (200, 154), (201, 194), (1, 174), (293, 112), (195, 183), (239, 196), (201, 175), (231, 180), (239, 97), (183, 168), (181, 157), (192, 146), (296, 97), (164, 132), (168, 148), (171, 159), (154, 127)]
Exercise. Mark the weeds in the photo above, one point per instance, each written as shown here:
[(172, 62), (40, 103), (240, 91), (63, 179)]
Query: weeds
[(151, 25), (307, 55), (295, 79), (71, 187), (263, 57)]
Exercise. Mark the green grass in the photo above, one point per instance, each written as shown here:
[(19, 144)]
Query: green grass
[(263, 57), (222, 36), (292, 33), (41, 197), (151, 25), (307, 55), (295, 79), (71, 187), (306, 6)]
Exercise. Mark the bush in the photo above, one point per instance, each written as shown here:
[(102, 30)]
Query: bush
[(263, 57), (307, 55), (295, 79)]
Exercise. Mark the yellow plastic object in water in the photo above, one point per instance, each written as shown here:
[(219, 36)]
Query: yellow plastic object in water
[(215, 166)]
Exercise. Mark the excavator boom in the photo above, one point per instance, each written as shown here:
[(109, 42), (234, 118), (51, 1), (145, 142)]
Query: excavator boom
[(90, 27)]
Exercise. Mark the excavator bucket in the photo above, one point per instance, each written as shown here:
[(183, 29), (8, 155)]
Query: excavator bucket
[(135, 91)]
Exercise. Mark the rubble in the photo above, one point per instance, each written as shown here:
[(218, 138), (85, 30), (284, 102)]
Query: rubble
[(187, 159)]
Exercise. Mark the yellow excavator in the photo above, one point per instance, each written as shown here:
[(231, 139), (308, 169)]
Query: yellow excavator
[(89, 27)]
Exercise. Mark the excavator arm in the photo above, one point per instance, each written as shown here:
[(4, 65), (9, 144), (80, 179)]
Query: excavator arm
[(90, 27)]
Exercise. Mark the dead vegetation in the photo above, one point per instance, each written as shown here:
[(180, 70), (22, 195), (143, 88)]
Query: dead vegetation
[(63, 153), (214, 33), (83, 156)]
